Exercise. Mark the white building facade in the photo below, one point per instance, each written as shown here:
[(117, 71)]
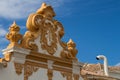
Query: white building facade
[(40, 54)]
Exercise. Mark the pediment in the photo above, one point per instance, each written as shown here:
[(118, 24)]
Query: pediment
[(43, 35)]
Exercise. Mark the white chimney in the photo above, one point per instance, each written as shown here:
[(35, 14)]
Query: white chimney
[(105, 63)]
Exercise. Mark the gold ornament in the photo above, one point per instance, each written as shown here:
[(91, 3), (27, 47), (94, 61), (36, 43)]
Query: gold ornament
[(50, 74), (71, 47), (18, 68), (13, 36)]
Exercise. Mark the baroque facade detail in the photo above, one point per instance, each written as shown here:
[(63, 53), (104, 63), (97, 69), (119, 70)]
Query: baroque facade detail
[(41, 24), (40, 50), (18, 67), (28, 70), (44, 30)]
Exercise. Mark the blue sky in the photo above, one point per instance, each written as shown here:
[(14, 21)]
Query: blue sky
[(94, 25)]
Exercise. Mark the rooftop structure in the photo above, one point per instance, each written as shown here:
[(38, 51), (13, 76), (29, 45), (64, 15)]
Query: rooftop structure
[(41, 54)]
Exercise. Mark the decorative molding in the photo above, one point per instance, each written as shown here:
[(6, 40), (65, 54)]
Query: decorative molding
[(28, 71), (18, 67), (67, 75), (50, 69), (50, 74), (76, 76)]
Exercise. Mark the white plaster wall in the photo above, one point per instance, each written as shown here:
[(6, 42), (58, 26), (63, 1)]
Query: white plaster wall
[(81, 78), (58, 76), (9, 73), (41, 74)]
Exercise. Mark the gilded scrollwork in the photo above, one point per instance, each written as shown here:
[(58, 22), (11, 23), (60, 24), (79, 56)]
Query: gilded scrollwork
[(18, 67), (28, 41), (28, 70), (34, 22), (60, 28), (42, 25)]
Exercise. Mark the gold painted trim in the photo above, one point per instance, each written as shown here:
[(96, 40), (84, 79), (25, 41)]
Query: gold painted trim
[(50, 74), (18, 67)]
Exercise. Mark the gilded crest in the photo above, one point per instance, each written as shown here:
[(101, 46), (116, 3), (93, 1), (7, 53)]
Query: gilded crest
[(44, 34)]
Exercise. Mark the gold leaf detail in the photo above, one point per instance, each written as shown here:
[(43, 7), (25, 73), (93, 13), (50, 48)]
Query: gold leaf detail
[(50, 74), (18, 68), (5, 59), (46, 10), (71, 47), (28, 71), (76, 77), (13, 36), (48, 38), (28, 41)]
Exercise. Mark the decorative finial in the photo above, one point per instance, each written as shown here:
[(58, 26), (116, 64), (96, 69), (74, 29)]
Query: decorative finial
[(71, 43), (71, 47), (46, 10), (13, 36), (14, 27), (43, 5)]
